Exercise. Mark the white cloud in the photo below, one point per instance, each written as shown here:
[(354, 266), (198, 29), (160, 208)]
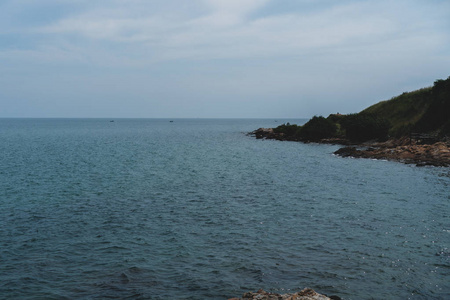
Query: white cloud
[(233, 49), (223, 29)]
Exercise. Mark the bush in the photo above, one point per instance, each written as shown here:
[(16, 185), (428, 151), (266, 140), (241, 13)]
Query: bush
[(318, 128), (438, 112), (288, 129), (445, 130), (363, 127)]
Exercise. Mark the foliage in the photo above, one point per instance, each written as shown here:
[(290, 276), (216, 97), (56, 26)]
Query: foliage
[(437, 117), (364, 126), (424, 111), (288, 129), (402, 111), (315, 129), (445, 130), (318, 128)]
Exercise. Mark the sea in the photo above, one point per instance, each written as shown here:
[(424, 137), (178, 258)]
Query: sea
[(198, 209)]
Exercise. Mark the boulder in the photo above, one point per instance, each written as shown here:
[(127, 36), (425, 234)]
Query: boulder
[(305, 294)]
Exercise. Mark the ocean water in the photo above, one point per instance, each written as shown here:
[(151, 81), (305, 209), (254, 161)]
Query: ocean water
[(196, 209)]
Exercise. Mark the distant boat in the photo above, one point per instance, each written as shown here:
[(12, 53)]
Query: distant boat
[(112, 121), (171, 121)]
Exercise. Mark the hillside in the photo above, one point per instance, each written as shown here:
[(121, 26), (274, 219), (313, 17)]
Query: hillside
[(404, 110), (412, 128), (426, 111)]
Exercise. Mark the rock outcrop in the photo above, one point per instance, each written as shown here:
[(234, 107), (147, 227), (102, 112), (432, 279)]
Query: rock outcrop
[(266, 133), (270, 134), (437, 154), (403, 150), (305, 294)]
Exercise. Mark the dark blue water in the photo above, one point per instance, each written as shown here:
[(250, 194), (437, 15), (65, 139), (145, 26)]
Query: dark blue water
[(195, 209)]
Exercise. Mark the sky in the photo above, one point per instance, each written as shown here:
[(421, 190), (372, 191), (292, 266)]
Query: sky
[(216, 58)]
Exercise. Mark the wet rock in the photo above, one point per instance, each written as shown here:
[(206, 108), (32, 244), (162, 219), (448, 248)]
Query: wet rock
[(403, 149), (264, 133), (305, 294), (437, 154), (347, 152)]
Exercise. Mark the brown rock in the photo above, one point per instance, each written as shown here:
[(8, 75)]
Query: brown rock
[(437, 154), (305, 294)]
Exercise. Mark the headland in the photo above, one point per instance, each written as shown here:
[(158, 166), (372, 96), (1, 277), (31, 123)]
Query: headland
[(412, 128)]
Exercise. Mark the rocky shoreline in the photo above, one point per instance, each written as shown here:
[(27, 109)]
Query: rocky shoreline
[(403, 150), (305, 294)]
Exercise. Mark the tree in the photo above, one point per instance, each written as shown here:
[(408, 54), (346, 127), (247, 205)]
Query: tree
[(318, 128), (363, 127)]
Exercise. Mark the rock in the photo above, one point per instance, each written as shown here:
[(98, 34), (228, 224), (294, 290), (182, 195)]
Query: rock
[(437, 154), (403, 150), (347, 152), (305, 294), (264, 133)]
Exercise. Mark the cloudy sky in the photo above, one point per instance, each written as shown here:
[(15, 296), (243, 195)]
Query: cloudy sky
[(216, 58)]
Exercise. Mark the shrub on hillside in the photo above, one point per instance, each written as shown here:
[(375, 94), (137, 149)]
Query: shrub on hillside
[(445, 130), (363, 127), (438, 113), (288, 129), (318, 128)]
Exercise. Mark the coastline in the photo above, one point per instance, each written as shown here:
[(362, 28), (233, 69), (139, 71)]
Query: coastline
[(404, 150)]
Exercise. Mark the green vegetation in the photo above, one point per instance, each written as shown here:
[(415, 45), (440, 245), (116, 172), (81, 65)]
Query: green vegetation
[(365, 126), (318, 128), (288, 130), (437, 117), (402, 111), (423, 111), (314, 130)]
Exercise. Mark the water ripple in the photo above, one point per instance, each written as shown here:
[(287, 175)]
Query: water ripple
[(147, 209)]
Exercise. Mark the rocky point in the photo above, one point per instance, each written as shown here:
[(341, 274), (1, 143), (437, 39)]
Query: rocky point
[(305, 294)]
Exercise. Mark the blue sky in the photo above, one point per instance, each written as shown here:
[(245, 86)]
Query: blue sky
[(216, 58)]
